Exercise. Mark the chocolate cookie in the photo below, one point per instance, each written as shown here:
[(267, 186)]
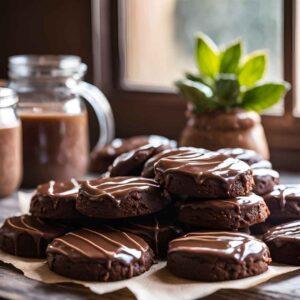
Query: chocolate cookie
[(284, 202), (102, 158), (263, 227), (264, 180), (157, 230), (248, 156), (132, 163), (204, 174), (148, 170), (263, 164), (103, 254), (121, 197), (227, 214), (284, 243), (56, 200), (28, 236), (217, 256)]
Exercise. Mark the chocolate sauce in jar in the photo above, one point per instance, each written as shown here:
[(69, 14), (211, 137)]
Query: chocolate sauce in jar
[(10, 159), (55, 146), (10, 143)]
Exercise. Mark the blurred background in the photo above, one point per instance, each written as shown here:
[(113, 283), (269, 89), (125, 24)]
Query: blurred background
[(135, 49)]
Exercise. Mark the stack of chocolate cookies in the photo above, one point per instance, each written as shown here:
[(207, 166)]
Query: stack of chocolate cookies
[(154, 201), (213, 190)]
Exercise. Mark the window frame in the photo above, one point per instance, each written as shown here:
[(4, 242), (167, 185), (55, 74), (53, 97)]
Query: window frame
[(161, 111)]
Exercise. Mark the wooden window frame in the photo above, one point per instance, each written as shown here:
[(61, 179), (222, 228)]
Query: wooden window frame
[(160, 111)]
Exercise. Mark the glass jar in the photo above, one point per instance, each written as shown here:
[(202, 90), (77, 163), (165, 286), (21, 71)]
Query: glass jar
[(10, 143), (54, 117)]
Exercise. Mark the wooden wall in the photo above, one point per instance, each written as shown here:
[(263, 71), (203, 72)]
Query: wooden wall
[(45, 27)]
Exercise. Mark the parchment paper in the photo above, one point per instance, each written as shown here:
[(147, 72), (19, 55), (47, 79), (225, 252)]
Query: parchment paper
[(157, 283)]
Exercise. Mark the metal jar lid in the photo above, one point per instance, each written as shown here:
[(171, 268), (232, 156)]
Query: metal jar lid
[(8, 97), (46, 66)]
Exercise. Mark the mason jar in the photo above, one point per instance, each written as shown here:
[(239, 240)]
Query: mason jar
[(10, 143), (54, 116)]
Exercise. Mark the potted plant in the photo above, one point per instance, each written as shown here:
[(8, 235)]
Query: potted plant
[(226, 97)]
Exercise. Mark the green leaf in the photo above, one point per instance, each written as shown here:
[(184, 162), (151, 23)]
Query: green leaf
[(207, 56), (227, 89), (264, 95), (200, 78), (230, 58), (199, 94), (253, 68)]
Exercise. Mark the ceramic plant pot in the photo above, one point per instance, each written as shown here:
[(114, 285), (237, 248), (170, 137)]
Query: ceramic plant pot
[(231, 129)]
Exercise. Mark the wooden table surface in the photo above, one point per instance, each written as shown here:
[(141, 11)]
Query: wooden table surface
[(13, 285)]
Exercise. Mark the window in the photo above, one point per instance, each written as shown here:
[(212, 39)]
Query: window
[(142, 46), (159, 35)]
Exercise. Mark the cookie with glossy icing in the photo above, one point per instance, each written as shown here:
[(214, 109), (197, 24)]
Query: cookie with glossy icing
[(121, 197), (246, 155), (227, 214), (284, 202), (264, 180), (217, 256), (102, 158), (28, 236), (262, 228), (131, 163), (284, 243), (157, 230), (56, 200), (104, 254), (148, 170), (204, 174)]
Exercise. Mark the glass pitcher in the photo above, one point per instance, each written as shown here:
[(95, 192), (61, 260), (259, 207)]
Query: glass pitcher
[(10, 143), (54, 118)]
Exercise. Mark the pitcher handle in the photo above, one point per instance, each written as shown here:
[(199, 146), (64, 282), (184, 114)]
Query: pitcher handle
[(102, 110)]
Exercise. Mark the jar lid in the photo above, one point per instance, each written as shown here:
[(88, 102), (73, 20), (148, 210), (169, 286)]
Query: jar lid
[(46, 66), (8, 97)]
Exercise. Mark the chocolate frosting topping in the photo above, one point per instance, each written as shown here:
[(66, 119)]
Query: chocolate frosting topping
[(282, 233), (263, 164), (284, 193), (266, 172), (203, 164), (157, 230), (106, 244), (246, 155), (232, 245), (131, 163), (58, 190), (116, 187), (148, 170), (35, 227)]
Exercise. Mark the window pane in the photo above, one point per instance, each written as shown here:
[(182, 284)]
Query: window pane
[(160, 34)]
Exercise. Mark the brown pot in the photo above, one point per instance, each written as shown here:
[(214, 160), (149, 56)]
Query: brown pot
[(233, 129)]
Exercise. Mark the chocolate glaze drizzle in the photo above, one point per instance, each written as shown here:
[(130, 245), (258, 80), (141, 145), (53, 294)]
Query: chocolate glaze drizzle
[(263, 164), (232, 245), (266, 172), (202, 165), (148, 170), (283, 233), (105, 244), (151, 228), (284, 193), (56, 190), (116, 187), (246, 155), (32, 226)]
